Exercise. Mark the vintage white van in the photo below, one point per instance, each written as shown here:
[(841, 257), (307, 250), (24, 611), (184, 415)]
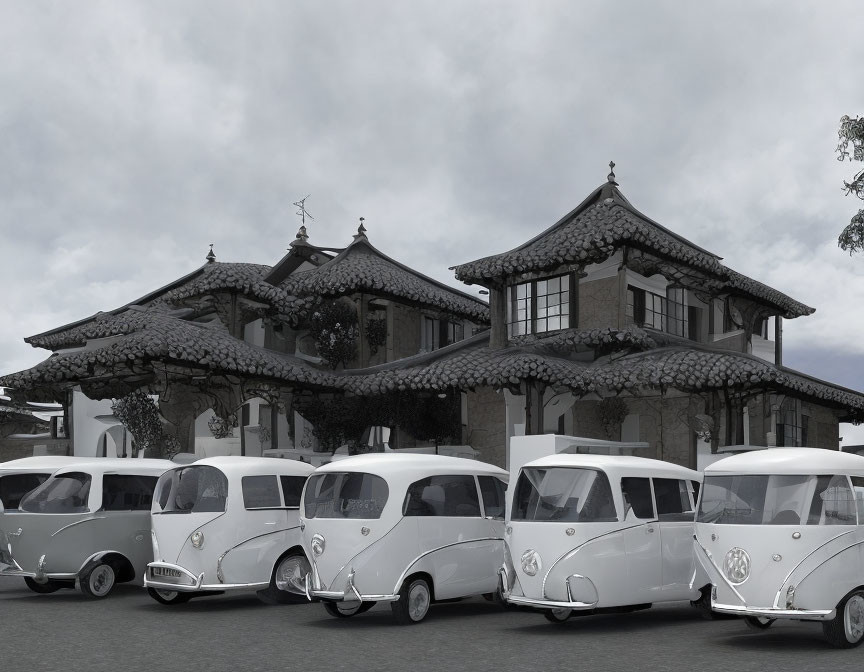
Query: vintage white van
[(18, 477), (781, 533), (404, 529), (227, 524), (590, 533), (88, 524)]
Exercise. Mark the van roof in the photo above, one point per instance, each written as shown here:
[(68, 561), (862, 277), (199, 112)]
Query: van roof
[(802, 461), (236, 464), (118, 465), (621, 465), (39, 463), (419, 466)]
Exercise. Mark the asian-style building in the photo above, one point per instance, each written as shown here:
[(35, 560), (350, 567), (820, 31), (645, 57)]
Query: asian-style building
[(605, 325)]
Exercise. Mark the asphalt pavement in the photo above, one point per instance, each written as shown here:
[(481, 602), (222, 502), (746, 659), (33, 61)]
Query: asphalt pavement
[(67, 632)]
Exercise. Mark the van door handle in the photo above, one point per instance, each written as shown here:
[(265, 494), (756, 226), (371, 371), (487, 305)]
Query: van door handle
[(650, 530), (270, 522)]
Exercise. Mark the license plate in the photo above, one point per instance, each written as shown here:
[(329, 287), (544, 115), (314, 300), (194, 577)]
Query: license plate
[(165, 571)]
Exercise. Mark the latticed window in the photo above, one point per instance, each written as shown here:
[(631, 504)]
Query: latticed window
[(665, 313), (792, 425), (540, 306)]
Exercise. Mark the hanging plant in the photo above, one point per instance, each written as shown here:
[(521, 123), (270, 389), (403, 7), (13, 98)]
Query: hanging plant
[(611, 412), (220, 428), (335, 329), (376, 333), (138, 413)]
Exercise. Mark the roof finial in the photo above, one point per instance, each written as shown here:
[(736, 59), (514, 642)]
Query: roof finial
[(611, 176), (302, 211), (301, 234), (211, 257), (361, 230)]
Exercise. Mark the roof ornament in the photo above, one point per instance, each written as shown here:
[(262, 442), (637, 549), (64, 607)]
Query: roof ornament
[(361, 230), (301, 234), (211, 256), (611, 176), (301, 204)]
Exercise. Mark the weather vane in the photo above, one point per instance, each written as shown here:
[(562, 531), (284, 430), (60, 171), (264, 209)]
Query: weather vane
[(301, 204)]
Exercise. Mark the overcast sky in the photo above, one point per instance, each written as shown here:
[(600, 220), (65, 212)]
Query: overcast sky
[(134, 134)]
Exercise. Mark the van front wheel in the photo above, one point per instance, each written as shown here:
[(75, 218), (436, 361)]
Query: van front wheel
[(846, 629), (97, 581), (341, 610), (413, 603), (286, 583), (48, 586), (758, 622), (168, 596), (557, 615)]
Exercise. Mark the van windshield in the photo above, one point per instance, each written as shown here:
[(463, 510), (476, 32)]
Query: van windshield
[(563, 494), (193, 489), (777, 500), (345, 495), (62, 493)]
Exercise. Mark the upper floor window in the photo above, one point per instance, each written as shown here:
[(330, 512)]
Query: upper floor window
[(792, 425), (538, 306), (435, 333), (665, 313)]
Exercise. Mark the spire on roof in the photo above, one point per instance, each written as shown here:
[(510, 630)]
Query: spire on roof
[(211, 257), (361, 230), (611, 176)]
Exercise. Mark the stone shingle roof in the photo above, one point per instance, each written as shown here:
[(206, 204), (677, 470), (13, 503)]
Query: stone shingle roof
[(362, 268), (600, 225), (465, 365)]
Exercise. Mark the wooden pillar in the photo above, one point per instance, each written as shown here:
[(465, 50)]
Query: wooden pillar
[(498, 316), (778, 341)]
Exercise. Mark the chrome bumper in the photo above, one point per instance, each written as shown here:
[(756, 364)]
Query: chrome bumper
[(768, 612), (188, 582), (9, 567), (316, 590), (536, 603)]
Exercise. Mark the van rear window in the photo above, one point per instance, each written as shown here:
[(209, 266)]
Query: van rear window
[(14, 486), (192, 489), (345, 495), (450, 495)]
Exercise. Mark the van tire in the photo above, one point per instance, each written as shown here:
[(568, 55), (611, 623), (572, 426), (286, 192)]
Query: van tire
[(557, 615), (336, 609), (846, 629), (98, 580), (703, 605), (44, 587), (414, 601), (170, 597), (291, 564), (758, 622)]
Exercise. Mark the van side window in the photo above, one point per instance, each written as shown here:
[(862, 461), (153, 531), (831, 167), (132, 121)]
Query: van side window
[(127, 492), (858, 491), (696, 485), (442, 496), (672, 499), (637, 493), (14, 486), (292, 488), (261, 492), (492, 490)]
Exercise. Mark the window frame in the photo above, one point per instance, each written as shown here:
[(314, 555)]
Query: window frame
[(535, 302)]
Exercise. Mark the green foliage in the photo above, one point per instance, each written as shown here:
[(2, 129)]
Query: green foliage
[(851, 132), (611, 412), (140, 416), (334, 327), (376, 333)]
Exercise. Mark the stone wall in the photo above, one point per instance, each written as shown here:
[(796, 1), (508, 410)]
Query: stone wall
[(598, 303), (486, 425)]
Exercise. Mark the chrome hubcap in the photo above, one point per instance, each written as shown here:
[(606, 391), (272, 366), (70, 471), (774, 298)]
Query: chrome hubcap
[(853, 618), (290, 574), (102, 580), (561, 614), (350, 610), (418, 601), (167, 594)]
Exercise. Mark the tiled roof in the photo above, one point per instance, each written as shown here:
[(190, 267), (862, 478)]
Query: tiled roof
[(600, 225), (362, 268), (466, 365)]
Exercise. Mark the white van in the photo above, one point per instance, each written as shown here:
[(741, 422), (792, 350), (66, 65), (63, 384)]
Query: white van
[(587, 533), (18, 477), (228, 524), (404, 529), (87, 524), (781, 534)]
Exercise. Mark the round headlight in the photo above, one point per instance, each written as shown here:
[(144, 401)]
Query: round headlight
[(531, 562), (317, 545), (736, 565), (197, 538)]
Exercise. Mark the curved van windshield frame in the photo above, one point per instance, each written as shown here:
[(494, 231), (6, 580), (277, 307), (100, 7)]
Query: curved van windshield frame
[(193, 489), (563, 494), (62, 493), (778, 499), (348, 494)]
